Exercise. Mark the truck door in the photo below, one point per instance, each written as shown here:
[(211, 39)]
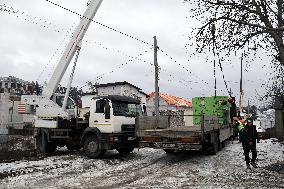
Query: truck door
[(102, 115)]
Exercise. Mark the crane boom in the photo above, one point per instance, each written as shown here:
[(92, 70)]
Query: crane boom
[(71, 48)]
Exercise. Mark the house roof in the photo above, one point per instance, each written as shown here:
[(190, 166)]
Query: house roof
[(117, 83), (120, 83), (172, 100)]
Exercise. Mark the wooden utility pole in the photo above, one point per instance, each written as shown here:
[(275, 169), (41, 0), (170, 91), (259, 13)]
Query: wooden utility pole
[(215, 79), (248, 108), (241, 88), (156, 77)]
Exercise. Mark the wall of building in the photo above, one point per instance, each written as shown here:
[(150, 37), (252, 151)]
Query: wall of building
[(279, 124), (86, 100), (4, 112), (110, 90), (16, 86), (4, 108), (143, 98), (187, 118), (164, 106), (8, 112), (123, 90)]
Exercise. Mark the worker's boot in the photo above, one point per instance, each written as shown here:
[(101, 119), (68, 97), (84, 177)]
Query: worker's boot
[(253, 164), (248, 166)]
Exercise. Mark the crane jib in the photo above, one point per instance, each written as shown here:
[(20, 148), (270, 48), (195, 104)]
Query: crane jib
[(74, 42), (73, 45)]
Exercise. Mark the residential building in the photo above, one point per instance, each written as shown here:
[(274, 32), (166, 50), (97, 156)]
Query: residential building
[(117, 88), (11, 89), (170, 103)]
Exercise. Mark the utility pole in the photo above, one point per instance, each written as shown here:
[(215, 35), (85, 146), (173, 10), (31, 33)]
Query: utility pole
[(248, 107), (156, 77), (241, 88), (215, 80)]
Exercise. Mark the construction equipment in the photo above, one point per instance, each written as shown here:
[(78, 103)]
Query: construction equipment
[(108, 123)]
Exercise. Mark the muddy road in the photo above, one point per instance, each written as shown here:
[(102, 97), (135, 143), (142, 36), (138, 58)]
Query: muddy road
[(149, 168)]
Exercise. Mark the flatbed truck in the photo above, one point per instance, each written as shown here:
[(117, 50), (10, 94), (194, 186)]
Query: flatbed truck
[(174, 133)]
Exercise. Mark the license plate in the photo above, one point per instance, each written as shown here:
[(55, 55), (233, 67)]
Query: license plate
[(131, 138), (168, 145)]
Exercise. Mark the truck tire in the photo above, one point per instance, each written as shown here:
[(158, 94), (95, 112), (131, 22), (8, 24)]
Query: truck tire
[(71, 147), (215, 145), (51, 147), (41, 143), (125, 151), (169, 151), (92, 147)]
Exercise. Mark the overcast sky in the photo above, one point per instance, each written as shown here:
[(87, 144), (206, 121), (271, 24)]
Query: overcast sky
[(32, 41)]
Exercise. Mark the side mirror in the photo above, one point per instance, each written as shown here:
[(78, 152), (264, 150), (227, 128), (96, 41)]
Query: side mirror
[(107, 110), (144, 109)]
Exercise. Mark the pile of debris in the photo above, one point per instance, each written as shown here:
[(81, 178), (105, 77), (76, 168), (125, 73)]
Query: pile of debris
[(16, 147)]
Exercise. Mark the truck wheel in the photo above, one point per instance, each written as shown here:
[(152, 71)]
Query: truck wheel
[(125, 151), (41, 143), (51, 147), (169, 151), (92, 147), (71, 147), (215, 145), (219, 146)]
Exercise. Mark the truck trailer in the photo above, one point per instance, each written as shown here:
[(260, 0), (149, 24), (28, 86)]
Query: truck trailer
[(211, 127)]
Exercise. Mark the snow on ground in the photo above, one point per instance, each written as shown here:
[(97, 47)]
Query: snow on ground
[(149, 168)]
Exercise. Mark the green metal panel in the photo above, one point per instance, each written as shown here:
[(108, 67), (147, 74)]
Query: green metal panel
[(214, 106)]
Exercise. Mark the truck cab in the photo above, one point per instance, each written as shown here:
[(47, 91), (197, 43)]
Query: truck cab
[(111, 125)]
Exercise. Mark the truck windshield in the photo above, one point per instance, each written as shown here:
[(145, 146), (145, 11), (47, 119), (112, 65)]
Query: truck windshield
[(126, 109)]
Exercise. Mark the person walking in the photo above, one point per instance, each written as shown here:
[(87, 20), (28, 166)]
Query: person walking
[(238, 126), (249, 139)]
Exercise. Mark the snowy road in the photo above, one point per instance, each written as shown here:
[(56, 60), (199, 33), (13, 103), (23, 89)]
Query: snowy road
[(149, 168)]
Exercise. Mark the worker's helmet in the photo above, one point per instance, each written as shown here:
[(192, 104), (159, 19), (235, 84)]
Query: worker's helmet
[(249, 120), (242, 121)]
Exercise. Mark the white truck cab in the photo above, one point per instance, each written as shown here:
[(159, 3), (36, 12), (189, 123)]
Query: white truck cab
[(111, 125), (109, 113)]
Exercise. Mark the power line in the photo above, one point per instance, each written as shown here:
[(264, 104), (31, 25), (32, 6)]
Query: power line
[(186, 69), (55, 53), (127, 35), (46, 24), (103, 25), (223, 75)]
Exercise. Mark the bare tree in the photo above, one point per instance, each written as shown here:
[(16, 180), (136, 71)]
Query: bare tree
[(230, 25)]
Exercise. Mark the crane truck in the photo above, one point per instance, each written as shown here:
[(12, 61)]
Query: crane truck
[(109, 123)]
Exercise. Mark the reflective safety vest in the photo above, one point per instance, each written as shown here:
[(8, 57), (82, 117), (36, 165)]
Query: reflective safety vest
[(240, 126)]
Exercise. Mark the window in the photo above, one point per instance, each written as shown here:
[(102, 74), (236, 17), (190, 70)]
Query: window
[(70, 104), (100, 105), (126, 109), (60, 99)]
